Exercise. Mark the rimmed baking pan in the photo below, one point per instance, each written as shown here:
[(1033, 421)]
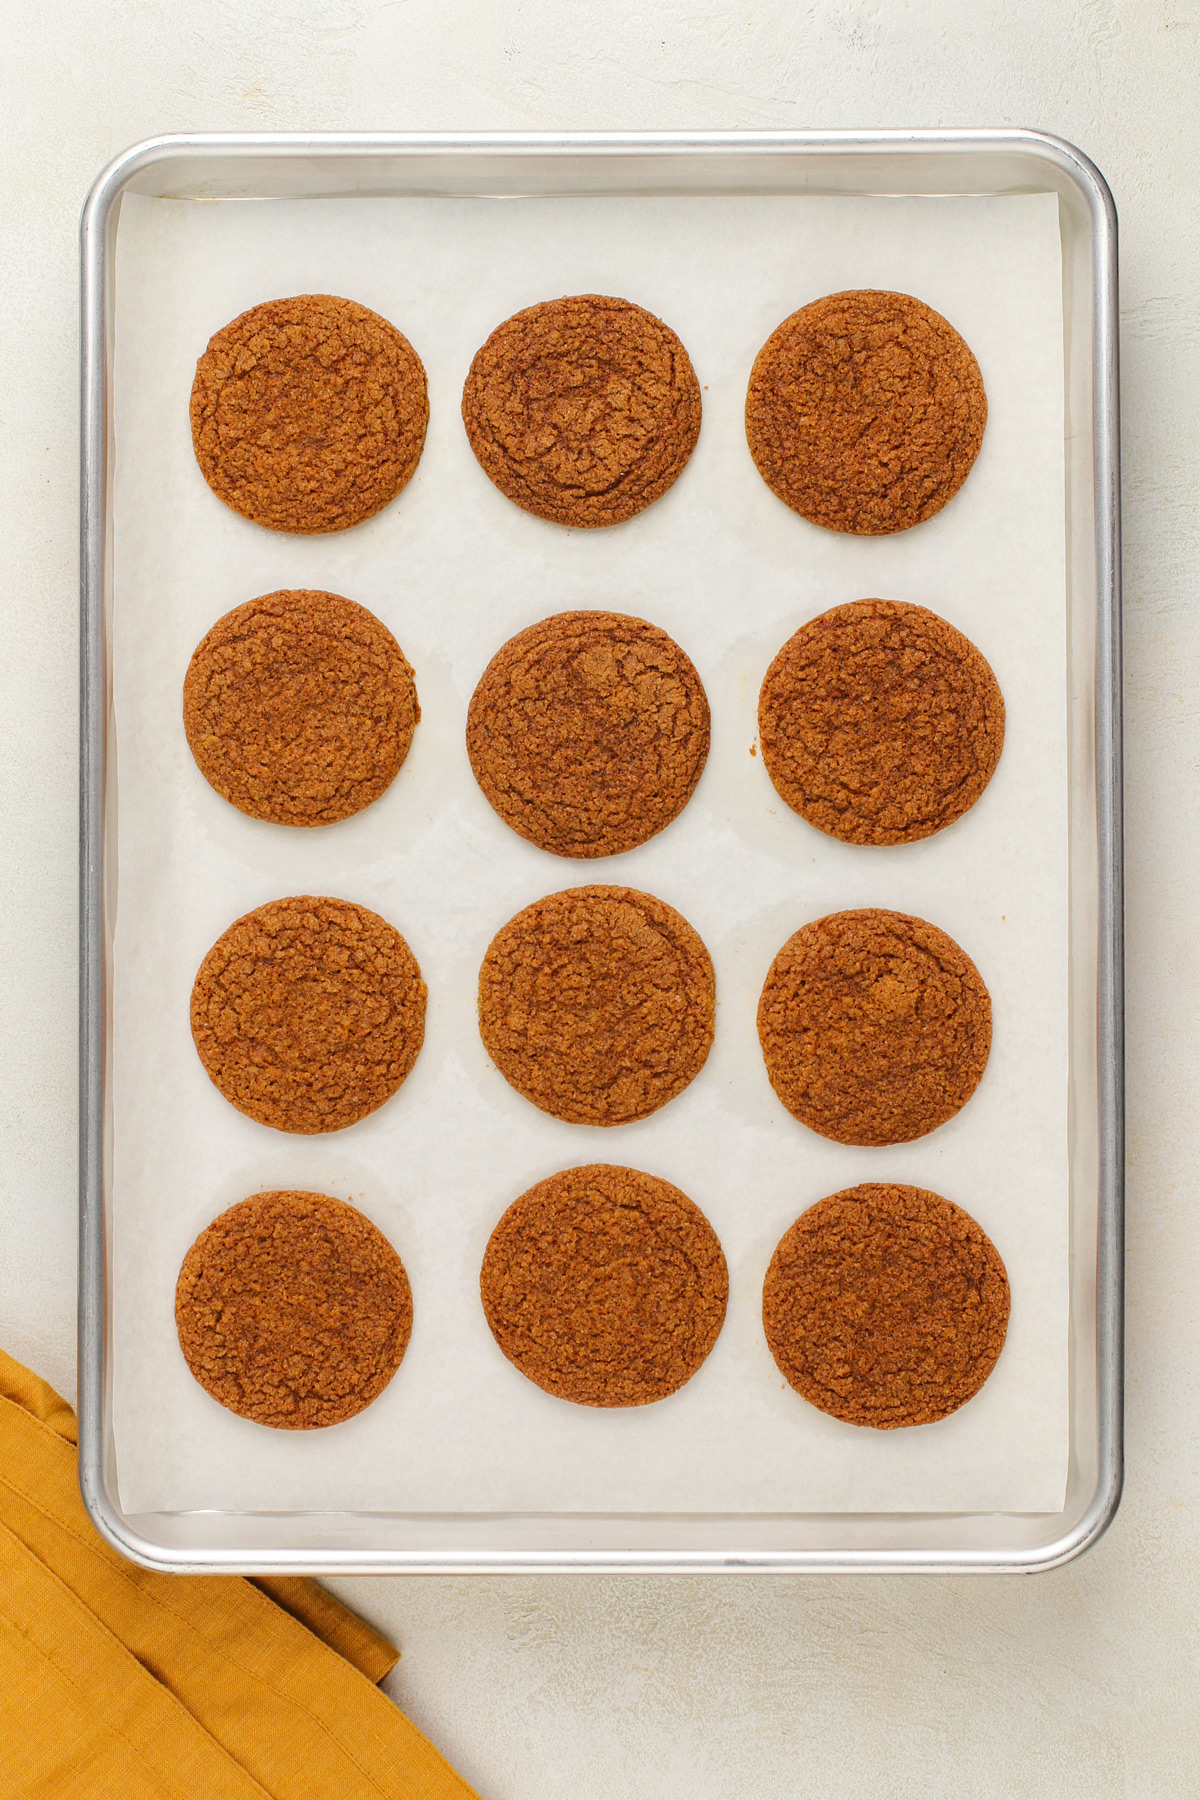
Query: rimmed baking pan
[(702, 195)]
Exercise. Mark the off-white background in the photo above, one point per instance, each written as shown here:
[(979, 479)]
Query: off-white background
[(1082, 1683)]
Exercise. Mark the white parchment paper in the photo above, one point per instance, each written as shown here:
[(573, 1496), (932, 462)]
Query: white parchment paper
[(454, 569)]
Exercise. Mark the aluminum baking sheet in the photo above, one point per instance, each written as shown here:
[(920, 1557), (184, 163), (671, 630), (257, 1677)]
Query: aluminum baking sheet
[(454, 569)]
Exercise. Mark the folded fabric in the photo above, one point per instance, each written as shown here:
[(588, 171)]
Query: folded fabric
[(117, 1683)]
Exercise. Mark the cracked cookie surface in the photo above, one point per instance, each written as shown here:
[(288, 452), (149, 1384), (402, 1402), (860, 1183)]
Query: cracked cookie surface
[(588, 732), (875, 1027), (293, 1310), (582, 410), (308, 1013), (605, 1286), (597, 1004), (299, 707), (886, 1306), (865, 412), (880, 723), (308, 414)]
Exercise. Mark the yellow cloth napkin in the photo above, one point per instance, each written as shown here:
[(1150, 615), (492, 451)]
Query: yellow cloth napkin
[(117, 1683)]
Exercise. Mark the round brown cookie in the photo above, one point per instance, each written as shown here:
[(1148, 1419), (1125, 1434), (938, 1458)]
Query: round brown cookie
[(875, 1027), (597, 1004), (865, 412), (880, 723), (308, 414), (299, 707), (308, 1013), (582, 410), (293, 1310), (886, 1306), (588, 732), (605, 1286)]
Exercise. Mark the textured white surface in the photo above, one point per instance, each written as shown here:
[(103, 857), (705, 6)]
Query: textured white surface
[(1084, 1683)]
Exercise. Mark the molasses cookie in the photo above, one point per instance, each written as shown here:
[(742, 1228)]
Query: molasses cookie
[(605, 1286), (886, 1306), (308, 1013), (308, 414), (865, 412), (582, 410), (597, 1004), (293, 1310), (875, 1027), (299, 707), (880, 723), (588, 732)]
